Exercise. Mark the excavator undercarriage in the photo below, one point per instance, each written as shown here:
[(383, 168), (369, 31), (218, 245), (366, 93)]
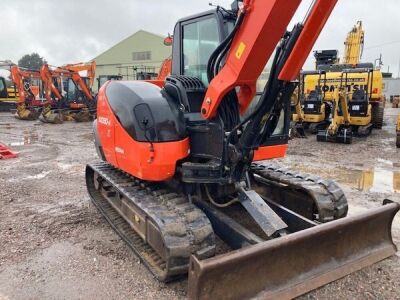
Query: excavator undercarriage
[(174, 235)]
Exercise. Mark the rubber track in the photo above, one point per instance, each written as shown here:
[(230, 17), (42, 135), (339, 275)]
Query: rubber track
[(326, 194), (378, 110), (185, 229)]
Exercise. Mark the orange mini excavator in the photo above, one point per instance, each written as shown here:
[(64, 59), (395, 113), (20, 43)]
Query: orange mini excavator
[(27, 83), (180, 166), (78, 101)]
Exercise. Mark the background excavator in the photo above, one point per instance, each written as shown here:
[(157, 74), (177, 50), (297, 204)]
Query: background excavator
[(8, 96), (28, 84), (365, 114), (180, 164), (311, 108), (71, 92), (351, 110)]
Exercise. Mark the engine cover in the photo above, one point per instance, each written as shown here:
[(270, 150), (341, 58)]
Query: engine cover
[(139, 130)]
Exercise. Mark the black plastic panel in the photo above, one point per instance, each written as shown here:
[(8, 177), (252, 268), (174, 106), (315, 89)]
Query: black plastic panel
[(144, 112)]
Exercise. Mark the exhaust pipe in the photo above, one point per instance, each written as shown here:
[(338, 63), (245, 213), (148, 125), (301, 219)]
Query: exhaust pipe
[(294, 264)]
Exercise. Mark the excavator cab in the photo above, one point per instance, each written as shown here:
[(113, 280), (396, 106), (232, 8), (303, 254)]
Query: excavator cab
[(358, 101), (195, 40), (359, 106), (102, 79), (314, 104), (312, 112)]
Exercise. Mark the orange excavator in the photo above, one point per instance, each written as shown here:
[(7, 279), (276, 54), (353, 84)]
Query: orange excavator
[(27, 83), (180, 166), (84, 84), (76, 106)]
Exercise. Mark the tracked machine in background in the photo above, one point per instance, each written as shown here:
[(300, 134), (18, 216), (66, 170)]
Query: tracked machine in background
[(180, 166), (8, 96), (80, 97), (70, 91), (351, 109), (312, 108), (28, 83), (363, 82)]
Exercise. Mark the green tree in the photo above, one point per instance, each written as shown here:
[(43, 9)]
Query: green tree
[(31, 61)]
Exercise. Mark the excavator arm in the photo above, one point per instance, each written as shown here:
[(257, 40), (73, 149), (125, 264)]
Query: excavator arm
[(47, 77), (18, 76), (69, 72), (247, 55), (249, 51), (354, 45), (90, 68)]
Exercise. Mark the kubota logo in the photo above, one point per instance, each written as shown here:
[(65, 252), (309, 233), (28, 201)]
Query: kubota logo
[(104, 121), (119, 150)]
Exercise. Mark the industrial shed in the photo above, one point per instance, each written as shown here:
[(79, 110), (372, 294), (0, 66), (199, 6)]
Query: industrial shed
[(142, 52)]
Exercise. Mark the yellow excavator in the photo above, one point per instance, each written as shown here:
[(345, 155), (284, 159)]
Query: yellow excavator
[(311, 109), (359, 76), (351, 110), (8, 96)]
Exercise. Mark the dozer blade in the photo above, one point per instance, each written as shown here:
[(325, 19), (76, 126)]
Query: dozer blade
[(343, 137), (294, 264)]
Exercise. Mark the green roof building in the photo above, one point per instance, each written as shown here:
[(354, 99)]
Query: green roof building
[(141, 53)]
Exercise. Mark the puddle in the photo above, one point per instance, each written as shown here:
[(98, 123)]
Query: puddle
[(29, 137), (376, 180)]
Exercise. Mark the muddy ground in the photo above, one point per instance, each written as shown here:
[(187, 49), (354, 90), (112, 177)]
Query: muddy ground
[(54, 245)]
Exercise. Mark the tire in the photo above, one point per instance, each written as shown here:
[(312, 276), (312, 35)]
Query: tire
[(378, 110)]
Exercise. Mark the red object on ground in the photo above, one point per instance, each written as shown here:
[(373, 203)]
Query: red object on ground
[(6, 153)]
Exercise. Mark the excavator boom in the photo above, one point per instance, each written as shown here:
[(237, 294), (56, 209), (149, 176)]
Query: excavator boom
[(354, 45)]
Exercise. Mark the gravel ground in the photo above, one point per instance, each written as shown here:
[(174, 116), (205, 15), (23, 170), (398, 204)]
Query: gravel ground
[(56, 246)]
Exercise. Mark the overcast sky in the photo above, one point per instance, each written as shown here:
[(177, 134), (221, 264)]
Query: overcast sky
[(71, 31)]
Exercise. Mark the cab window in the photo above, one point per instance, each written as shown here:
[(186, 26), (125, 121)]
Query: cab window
[(200, 39)]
